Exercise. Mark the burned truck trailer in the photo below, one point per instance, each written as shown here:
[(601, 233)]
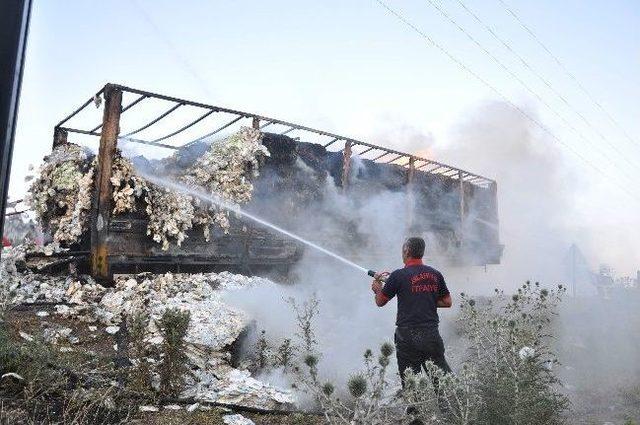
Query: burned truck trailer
[(455, 209)]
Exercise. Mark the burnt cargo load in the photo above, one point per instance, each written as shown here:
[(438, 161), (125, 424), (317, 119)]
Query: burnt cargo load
[(305, 173)]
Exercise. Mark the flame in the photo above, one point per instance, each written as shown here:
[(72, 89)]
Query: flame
[(427, 153)]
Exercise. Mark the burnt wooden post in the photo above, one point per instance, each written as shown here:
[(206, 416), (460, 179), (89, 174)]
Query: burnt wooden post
[(410, 195), (255, 123), (59, 137), (346, 164), (102, 213)]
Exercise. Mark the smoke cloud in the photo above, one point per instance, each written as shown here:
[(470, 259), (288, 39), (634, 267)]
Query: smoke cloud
[(539, 220)]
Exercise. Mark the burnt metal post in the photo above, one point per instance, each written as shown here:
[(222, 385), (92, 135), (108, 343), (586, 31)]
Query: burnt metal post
[(14, 26), (59, 137), (411, 172), (346, 164), (493, 188), (462, 206), (102, 215)]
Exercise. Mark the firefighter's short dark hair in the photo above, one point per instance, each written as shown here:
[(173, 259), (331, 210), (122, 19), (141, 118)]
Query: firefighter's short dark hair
[(415, 247)]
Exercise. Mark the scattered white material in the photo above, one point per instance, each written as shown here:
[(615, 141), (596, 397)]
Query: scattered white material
[(192, 407), (62, 309), (156, 340), (172, 407), (12, 375), (53, 335), (148, 409), (25, 336), (233, 386), (526, 353), (42, 314), (237, 419), (214, 324)]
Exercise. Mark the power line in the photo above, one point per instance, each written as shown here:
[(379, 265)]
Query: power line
[(569, 74), (529, 89), (540, 77), (500, 94), (178, 57)]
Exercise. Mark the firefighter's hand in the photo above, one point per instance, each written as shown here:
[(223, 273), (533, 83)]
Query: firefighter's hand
[(376, 286)]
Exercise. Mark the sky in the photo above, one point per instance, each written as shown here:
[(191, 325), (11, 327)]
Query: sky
[(353, 68)]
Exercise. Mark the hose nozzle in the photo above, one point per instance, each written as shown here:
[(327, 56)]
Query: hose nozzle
[(373, 273)]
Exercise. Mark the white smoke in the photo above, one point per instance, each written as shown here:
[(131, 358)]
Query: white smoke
[(537, 193)]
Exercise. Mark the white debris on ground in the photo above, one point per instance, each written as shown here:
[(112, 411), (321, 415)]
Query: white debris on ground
[(237, 419), (55, 335), (26, 336), (526, 353), (214, 324), (172, 407), (12, 375)]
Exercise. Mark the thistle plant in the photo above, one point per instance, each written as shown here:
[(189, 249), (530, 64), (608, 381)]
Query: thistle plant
[(437, 397), (367, 400), (174, 364), (262, 351), (284, 356), (509, 349), (140, 371), (507, 377), (305, 315)]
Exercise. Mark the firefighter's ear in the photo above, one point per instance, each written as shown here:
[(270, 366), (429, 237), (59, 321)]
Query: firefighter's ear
[(405, 252)]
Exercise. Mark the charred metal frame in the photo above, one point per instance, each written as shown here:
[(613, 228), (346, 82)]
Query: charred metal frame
[(109, 133)]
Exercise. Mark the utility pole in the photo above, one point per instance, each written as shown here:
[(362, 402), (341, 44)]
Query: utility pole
[(14, 26)]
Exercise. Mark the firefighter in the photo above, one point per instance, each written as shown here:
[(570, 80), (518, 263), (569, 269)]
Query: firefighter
[(420, 290)]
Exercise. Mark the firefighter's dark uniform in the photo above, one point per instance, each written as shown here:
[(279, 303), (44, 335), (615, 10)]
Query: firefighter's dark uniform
[(418, 288)]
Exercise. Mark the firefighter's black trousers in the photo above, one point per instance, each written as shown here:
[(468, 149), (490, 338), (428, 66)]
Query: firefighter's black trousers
[(417, 345)]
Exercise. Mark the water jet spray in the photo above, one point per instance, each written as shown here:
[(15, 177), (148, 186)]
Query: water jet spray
[(217, 200)]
